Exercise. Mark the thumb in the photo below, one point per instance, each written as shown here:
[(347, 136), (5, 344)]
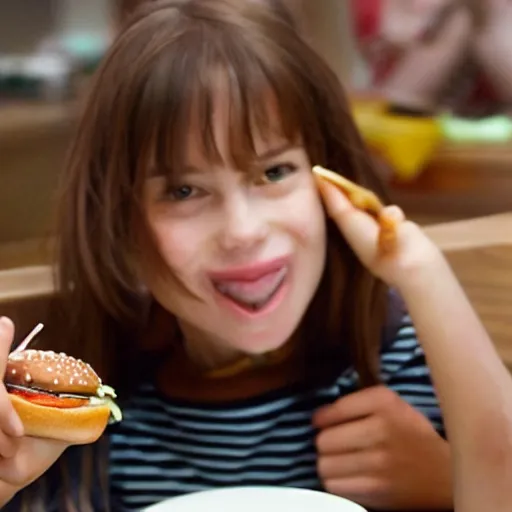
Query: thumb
[(359, 229), (6, 339)]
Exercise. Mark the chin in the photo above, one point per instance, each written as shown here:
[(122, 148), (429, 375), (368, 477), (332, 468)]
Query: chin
[(267, 340)]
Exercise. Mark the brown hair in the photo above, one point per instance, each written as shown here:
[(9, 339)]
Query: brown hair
[(139, 109)]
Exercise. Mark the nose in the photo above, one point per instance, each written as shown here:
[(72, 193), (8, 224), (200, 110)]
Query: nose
[(244, 225)]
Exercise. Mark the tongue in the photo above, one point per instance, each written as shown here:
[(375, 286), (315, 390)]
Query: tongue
[(251, 292)]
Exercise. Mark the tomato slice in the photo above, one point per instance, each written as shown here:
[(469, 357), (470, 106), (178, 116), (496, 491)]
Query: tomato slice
[(47, 400)]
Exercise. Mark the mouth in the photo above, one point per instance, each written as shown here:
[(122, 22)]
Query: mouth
[(254, 289), (256, 294)]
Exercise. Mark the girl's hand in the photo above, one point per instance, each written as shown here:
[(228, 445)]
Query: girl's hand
[(22, 459), (412, 252), (376, 449)]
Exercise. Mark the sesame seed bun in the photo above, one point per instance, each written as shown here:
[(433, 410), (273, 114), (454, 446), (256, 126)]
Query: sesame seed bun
[(58, 373)]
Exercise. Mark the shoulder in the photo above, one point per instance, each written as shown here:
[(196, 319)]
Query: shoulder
[(400, 347), (405, 371)]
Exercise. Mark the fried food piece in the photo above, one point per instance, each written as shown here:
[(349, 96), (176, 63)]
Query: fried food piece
[(366, 200), (360, 197)]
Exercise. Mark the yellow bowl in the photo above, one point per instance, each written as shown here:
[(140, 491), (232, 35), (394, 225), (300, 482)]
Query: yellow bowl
[(407, 143)]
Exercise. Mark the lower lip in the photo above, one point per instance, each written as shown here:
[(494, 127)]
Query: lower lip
[(267, 309)]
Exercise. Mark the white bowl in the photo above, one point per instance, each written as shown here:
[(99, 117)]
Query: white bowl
[(257, 499)]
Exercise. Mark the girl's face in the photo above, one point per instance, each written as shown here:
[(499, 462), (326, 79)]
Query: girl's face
[(247, 244)]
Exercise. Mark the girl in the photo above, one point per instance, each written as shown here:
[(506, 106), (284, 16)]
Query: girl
[(247, 341)]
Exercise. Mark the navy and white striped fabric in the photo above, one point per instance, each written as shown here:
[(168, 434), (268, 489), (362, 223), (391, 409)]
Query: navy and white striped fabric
[(165, 448)]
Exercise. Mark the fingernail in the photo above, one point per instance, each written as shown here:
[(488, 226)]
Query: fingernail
[(16, 426), (396, 212), (5, 322)]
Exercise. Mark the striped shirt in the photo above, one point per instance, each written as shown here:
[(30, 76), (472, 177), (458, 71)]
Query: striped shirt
[(165, 448)]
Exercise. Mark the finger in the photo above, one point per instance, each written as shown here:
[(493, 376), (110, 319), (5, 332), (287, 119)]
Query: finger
[(8, 446), (359, 228), (349, 465), (390, 220), (6, 339), (351, 407), (351, 437), (10, 423)]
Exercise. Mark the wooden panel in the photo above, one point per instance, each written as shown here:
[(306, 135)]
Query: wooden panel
[(486, 275), (461, 181), (27, 297), (34, 139), (480, 253)]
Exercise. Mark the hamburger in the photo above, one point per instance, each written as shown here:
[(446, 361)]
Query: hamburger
[(59, 397)]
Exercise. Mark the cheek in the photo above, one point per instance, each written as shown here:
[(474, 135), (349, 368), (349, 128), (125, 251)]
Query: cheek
[(306, 219), (178, 245), (310, 211)]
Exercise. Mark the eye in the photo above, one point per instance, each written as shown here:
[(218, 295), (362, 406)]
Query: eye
[(181, 193), (279, 172)]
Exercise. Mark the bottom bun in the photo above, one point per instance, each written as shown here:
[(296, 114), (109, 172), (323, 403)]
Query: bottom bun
[(78, 425)]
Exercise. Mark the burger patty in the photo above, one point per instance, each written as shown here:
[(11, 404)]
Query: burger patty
[(47, 399)]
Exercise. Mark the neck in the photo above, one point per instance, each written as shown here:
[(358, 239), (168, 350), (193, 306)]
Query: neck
[(211, 356), (207, 352)]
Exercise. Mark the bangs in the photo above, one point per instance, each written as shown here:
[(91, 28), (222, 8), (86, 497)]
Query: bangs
[(212, 72)]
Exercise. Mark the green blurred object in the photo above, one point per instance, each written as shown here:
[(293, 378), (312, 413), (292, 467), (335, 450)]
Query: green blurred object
[(86, 48), (491, 129), (84, 45)]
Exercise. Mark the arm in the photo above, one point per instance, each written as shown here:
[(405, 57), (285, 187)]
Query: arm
[(412, 381), (474, 387)]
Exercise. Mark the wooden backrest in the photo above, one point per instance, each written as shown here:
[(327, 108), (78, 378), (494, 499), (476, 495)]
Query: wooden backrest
[(480, 253), (26, 295)]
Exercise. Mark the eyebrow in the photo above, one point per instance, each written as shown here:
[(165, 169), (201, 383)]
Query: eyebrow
[(273, 152)]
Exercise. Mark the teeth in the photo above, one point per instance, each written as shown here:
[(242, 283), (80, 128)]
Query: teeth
[(250, 298)]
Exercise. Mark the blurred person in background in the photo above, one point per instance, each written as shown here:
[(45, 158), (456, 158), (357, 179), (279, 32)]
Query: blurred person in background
[(431, 55)]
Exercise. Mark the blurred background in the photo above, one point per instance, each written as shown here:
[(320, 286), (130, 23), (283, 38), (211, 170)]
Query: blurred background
[(48, 50), (429, 82), (424, 94)]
